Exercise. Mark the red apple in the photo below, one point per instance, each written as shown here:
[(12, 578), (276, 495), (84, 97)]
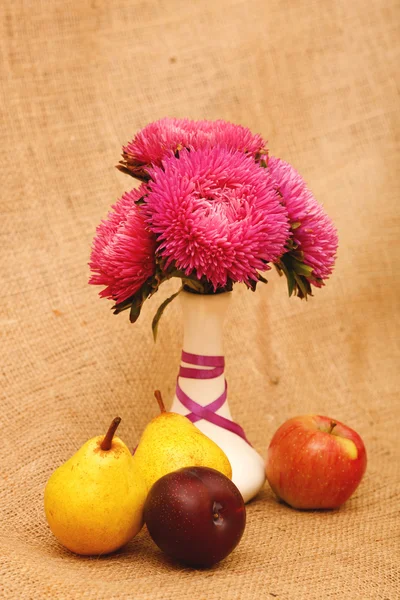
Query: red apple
[(196, 515), (315, 462)]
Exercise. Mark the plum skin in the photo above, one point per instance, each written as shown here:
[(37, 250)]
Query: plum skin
[(196, 515)]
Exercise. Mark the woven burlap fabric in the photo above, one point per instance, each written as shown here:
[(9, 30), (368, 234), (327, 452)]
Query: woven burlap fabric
[(318, 80)]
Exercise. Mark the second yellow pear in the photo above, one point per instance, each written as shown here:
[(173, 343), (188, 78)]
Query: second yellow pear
[(171, 442)]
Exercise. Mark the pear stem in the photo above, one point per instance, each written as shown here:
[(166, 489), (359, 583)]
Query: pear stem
[(108, 438), (160, 401)]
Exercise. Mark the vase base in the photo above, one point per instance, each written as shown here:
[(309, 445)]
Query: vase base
[(248, 467)]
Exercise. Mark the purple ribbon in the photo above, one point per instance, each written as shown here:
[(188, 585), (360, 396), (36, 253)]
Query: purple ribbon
[(208, 413)]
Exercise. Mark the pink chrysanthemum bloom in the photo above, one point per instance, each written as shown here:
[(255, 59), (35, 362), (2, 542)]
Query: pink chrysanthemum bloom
[(314, 237), (123, 250), (169, 136), (209, 134), (153, 143), (216, 213)]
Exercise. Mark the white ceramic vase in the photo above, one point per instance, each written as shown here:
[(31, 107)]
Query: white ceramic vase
[(203, 318)]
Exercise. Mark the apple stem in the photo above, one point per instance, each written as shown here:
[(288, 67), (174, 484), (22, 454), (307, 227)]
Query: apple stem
[(333, 425), (108, 438), (160, 401)]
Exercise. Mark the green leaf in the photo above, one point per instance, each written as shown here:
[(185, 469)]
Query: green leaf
[(291, 282), (117, 308), (135, 301), (138, 301), (133, 170), (135, 311), (298, 255), (261, 278), (288, 274), (160, 311), (193, 285), (303, 289), (301, 268), (290, 245), (252, 284)]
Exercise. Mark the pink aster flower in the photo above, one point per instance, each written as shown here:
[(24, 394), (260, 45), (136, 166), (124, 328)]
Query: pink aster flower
[(313, 233), (209, 134), (153, 143), (168, 136), (216, 213), (123, 250)]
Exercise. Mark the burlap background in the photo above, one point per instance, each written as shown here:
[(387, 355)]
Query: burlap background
[(318, 79)]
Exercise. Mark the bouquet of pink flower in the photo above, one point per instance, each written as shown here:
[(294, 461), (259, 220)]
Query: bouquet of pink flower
[(213, 209)]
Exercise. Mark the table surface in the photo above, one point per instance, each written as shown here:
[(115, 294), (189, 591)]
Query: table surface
[(319, 80)]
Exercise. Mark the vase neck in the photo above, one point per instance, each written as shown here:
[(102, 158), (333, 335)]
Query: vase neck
[(203, 319)]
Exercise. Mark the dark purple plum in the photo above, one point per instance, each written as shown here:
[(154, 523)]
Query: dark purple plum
[(196, 515)]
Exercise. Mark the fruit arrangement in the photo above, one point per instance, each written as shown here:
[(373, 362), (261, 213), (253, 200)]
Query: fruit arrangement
[(214, 209), (178, 482)]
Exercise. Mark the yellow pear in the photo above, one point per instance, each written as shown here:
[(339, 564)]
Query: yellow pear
[(170, 442), (94, 501)]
